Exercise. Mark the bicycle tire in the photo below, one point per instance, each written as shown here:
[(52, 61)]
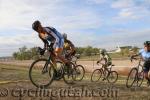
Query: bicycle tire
[(80, 72), (133, 71), (31, 74), (59, 70), (112, 77), (140, 78), (68, 76), (96, 75)]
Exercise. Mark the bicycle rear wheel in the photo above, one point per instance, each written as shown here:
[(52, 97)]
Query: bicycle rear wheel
[(80, 71), (96, 75), (59, 70), (39, 77), (131, 77), (112, 76), (69, 73)]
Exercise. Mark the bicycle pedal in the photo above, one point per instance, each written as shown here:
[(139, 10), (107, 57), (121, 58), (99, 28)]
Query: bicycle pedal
[(44, 71)]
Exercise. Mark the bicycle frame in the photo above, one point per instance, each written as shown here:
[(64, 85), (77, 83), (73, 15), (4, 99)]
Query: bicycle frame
[(104, 67), (49, 59), (139, 65), (105, 70)]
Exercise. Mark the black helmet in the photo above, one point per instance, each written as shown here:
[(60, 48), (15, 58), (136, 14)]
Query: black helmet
[(35, 25), (147, 43), (64, 35)]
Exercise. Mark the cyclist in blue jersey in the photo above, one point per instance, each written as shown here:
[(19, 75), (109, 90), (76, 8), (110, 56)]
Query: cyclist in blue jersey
[(50, 34), (145, 55)]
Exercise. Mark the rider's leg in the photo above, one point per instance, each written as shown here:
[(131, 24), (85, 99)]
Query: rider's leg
[(58, 52), (146, 70)]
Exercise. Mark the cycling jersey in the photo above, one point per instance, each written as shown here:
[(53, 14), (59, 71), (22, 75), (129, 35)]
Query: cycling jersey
[(107, 59), (68, 44), (145, 55), (53, 36)]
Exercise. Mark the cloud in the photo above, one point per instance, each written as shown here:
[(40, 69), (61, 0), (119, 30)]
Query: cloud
[(119, 37), (10, 44), (90, 22), (81, 21), (125, 37), (20, 17), (122, 4), (130, 10), (95, 1)]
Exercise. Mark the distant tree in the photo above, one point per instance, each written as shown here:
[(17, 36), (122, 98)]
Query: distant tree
[(27, 54), (135, 49), (87, 51), (15, 54), (125, 51)]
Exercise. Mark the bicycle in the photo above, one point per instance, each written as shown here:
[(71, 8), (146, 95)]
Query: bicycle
[(80, 71), (42, 71), (136, 75), (104, 73)]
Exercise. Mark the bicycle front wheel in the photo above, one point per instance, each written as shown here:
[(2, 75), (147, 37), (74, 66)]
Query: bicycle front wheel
[(80, 71), (131, 77), (112, 76), (96, 75), (40, 77)]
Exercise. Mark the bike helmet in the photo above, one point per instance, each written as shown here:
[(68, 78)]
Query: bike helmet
[(35, 25), (103, 51), (64, 35), (147, 43)]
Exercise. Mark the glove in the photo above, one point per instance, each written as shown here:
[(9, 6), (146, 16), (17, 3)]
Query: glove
[(41, 51), (98, 62), (131, 58)]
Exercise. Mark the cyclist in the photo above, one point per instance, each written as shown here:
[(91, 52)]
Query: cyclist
[(69, 47), (145, 55), (104, 56), (50, 34)]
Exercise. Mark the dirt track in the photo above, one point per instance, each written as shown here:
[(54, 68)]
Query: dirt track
[(121, 66), (25, 86), (101, 91)]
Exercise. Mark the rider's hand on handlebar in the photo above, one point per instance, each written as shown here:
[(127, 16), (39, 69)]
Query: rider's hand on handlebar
[(98, 62), (41, 51), (133, 57)]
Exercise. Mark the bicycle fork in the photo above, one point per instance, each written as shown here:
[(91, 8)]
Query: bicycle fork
[(45, 68)]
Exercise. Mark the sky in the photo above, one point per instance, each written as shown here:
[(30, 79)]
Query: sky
[(98, 23)]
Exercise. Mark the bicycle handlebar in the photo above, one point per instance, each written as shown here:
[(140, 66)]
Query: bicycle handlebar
[(134, 58), (98, 63), (49, 49)]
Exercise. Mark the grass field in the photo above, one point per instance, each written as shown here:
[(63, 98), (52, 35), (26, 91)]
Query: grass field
[(14, 77)]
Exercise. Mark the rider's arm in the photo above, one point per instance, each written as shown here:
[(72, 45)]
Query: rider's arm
[(101, 58), (45, 42), (72, 47), (135, 55)]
